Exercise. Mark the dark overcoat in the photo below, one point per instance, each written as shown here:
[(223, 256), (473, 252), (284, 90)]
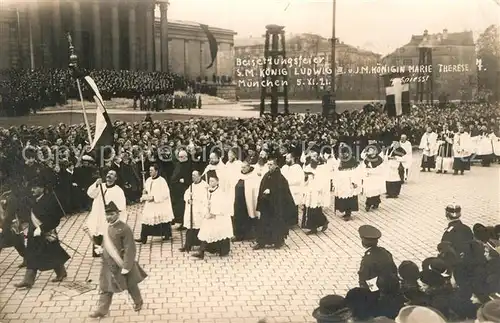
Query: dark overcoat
[(111, 279), (44, 252)]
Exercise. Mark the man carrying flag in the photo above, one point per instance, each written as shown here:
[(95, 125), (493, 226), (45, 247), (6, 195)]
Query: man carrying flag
[(103, 193)]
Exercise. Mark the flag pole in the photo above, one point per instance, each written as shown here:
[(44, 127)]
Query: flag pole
[(73, 60)]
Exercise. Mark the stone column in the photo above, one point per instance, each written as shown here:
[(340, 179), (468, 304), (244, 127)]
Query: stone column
[(115, 34), (96, 13), (150, 48), (164, 35), (132, 37), (36, 52), (77, 28), (57, 35)]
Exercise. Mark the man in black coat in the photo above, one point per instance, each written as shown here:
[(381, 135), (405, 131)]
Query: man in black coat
[(376, 261), (179, 182), (275, 204), (43, 250), (11, 234)]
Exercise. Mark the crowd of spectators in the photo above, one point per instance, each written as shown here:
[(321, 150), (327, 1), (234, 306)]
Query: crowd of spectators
[(58, 153), (24, 91)]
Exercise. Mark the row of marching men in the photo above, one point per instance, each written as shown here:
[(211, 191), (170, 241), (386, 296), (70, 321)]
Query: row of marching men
[(450, 151), (225, 201)]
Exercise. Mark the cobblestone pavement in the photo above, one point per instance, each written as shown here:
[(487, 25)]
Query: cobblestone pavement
[(280, 285)]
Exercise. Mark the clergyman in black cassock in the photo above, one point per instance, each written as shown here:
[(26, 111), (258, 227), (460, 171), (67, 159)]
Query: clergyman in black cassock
[(179, 182), (43, 250), (120, 271), (275, 203)]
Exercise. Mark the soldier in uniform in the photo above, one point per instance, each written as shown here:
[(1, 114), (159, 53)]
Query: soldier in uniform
[(457, 233), (376, 261)]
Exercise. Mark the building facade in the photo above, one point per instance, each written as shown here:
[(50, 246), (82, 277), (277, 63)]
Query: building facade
[(453, 62), (309, 79), (115, 34)]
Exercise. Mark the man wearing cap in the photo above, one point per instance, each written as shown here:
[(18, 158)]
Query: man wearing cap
[(11, 233), (119, 270), (196, 198), (376, 261), (43, 250), (104, 193), (457, 233)]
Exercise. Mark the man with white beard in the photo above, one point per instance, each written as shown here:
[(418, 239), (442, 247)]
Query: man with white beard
[(216, 165), (408, 158), (295, 177), (428, 144), (196, 197), (96, 221)]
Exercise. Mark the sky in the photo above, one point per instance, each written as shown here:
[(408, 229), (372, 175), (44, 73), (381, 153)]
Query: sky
[(377, 25)]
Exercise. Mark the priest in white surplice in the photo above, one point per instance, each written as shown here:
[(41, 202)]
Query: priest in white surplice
[(295, 177), (316, 197), (346, 181), (408, 158), (485, 146), (461, 151), (245, 214), (216, 228), (374, 176), (196, 198), (428, 144), (96, 221), (157, 213)]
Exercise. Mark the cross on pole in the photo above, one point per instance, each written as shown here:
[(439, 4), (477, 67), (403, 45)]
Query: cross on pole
[(397, 88)]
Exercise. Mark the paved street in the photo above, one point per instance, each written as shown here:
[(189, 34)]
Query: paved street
[(280, 285)]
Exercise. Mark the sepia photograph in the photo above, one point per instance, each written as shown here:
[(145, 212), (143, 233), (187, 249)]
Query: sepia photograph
[(212, 161)]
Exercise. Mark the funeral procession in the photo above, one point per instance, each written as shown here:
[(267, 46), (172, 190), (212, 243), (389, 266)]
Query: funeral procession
[(211, 161)]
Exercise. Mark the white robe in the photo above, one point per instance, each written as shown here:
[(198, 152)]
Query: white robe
[(160, 209), (200, 205), (220, 170), (96, 221), (428, 144), (408, 158), (485, 144), (343, 181), (374, 179), (220, 226), (496, 144), (392, 169), (295, 177), (462, 147), (231, 172), (252, 186), (317, 188)]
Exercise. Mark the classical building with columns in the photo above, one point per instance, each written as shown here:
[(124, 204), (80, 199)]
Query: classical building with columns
[(114, 34)]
